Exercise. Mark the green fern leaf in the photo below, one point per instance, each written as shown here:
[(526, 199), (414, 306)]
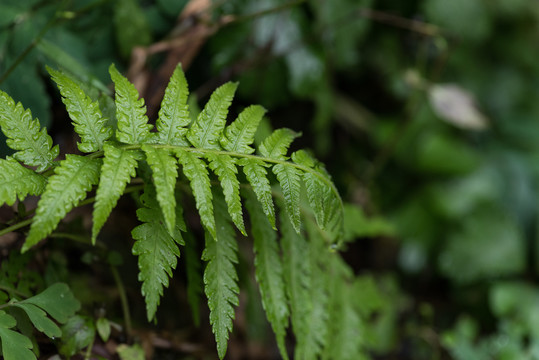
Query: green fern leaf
[(318, 192), (195, 170), (290, 181), (344, 338), (118, 168), (297, 277), (18, 181), (220, 277), (193, 269), (225, 168), (15, 346), (33, 146), (269, 271), (241, 133), (165, 172), (276, 145), (87, 118), (133, 127), (207, 129), (174, 113), (156, 248), (256, 174), (312, 342), (72, 179)]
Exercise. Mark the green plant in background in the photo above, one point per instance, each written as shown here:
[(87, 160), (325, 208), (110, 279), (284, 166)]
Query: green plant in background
[(299, 284)]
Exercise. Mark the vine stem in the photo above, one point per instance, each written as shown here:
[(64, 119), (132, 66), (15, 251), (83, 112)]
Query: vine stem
[(123, 300)]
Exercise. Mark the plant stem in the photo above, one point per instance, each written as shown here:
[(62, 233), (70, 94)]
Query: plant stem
[(123, 299), (11, 290)]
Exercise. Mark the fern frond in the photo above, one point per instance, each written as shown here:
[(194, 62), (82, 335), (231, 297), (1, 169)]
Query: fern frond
[(156, 248), (241, 133), (206, 131), (220, 277), (16, 181), (195, 170), (118, 168), (225, 168), (290, 181), (174, 113), (87, 119), (256, 174), (165, 172), (33, 145), (269, 271), (276, 145), (318, 192), (297, 277), (71, 180), (133, 127)]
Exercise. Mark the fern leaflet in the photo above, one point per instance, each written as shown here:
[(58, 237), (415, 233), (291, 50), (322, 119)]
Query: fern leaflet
[(85, 113), (164, 169), (72, 179), (297, 278), (269, 271), (16, 181), (33, 146), (133, 127), (174, 113), (276, 145), (118, 168), (318, 193), (241, 133), (14, 345), (156, 248), (225, 168), (207, 129), (256, 174), (220, 277), (195, 170), (290, 181)]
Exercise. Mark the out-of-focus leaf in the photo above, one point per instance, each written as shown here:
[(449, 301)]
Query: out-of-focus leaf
[(77, 333), (456, 106), (133, 352), (132, 28), (488, 244)]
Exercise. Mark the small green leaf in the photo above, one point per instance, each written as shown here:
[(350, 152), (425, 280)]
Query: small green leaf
[(276, 145), (133, 127), (241, 133), (131, 25), (72, 179), (33, 145), (40, 320), (156, 248), (103, 328), (85, 113), (290, 181), (257, 176), (165, 172), (77, 333), (16, 181), (220, 277), (174, 113), (269, 271), (195, 170), (14, 345), (57, 300), (118, 168), (133, 352), (206, 131), (225, 168)]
